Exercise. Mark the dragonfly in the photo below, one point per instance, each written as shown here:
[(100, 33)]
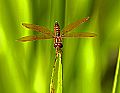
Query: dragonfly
[(57, 35)]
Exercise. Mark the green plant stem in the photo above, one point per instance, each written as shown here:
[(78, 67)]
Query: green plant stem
[(59, 88), (116, 74), (56, 77)]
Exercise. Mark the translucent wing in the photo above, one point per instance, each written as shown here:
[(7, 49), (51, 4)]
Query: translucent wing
[(38, 28), (32, 38), (73, 25), (79, 35)]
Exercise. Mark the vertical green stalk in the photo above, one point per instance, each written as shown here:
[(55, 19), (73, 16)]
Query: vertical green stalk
[(116, 74), (59, 83), (56, 77)]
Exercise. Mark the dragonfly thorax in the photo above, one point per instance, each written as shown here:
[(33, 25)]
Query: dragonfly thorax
[(58, 42)]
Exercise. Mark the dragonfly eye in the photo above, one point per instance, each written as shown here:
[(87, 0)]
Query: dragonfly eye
[(60, 45), (55, 45)]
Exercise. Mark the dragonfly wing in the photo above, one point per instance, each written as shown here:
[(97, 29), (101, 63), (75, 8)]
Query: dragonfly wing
[(38, 28), (73, 25), (32, 38), (79, 35)]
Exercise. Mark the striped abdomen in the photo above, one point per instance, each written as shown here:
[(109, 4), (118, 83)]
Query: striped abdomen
[(57, 39)]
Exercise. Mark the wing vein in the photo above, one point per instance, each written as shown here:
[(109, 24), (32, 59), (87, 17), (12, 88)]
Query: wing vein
[(38, 28), (71, 26)]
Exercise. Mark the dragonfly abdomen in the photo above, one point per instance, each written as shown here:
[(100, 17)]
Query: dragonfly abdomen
[(57, 29), (57, 38)]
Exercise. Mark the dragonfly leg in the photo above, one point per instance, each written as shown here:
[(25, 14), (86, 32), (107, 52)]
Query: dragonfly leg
[(58, 50)]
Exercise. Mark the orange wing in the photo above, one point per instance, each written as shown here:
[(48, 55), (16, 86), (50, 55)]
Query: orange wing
[(32, 38), (73, 25), (38, 28), (79, 35)]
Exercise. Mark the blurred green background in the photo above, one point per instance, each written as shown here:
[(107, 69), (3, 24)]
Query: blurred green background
[(88, 63)]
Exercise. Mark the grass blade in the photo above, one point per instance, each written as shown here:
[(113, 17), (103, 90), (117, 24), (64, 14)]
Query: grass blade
[(59, 83), (56, 77), (115, 83)]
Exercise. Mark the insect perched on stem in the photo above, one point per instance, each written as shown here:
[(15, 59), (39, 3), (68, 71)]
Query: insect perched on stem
[(56, 35)]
